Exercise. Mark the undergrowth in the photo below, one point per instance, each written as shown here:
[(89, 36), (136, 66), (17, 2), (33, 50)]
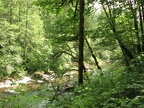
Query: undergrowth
[(113, 88)]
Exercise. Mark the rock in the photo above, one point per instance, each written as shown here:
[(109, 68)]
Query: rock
[(44, 77)]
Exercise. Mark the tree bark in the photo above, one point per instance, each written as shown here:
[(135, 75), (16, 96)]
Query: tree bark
[(124, 49), (11, 12), (134, 14), (81, 43), (141, 18), (26, 33), (93, 55)]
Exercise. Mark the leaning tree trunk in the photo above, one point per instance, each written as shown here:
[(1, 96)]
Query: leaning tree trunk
[(81, 43), (124, 49), (93, 55)]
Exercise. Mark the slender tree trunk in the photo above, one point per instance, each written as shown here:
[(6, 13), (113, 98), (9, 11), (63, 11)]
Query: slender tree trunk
[(135, 26), (142, 5), (141, 13), (19, 13), (126, 58), (93, 55), (26, 33), (124, 49), (81, 43), (19, 17), (10, 21), (11, 12)]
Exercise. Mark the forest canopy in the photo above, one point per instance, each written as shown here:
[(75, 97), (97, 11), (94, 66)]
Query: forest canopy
[(102, 41)]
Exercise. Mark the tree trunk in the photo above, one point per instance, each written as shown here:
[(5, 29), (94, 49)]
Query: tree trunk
[(93, 55), (19, 18), (141, 15), (11, 12), (26, 33), (134, 14), (81, 43), (124, 49)]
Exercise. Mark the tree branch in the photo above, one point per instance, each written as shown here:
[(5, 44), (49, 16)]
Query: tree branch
[(75, 9)]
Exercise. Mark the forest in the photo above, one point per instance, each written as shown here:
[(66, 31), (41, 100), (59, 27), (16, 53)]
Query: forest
[(71, 54)]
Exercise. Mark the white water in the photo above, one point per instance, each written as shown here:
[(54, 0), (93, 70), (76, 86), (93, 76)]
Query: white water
[(13, 83)]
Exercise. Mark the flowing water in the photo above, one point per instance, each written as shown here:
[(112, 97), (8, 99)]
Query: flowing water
[(8, 87), (26, 83), (11, 87)]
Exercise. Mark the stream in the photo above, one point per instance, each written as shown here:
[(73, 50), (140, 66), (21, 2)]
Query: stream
[(8, 86), (11, 87), (31, 86)]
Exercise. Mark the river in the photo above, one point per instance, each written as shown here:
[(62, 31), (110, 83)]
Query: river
[(12, 87)]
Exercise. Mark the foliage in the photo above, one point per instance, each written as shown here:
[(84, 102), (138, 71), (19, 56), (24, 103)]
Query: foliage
[(109, 89), (46, 38), (31, 99), (10, 59), (21, 37), (137, 63)]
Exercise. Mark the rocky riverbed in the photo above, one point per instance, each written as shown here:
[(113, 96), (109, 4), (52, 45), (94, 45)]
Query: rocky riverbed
[(12, 86)]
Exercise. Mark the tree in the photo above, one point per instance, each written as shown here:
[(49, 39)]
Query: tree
[(19, 27), (81, 27), (93, 55), (81, 42), (121, 11)]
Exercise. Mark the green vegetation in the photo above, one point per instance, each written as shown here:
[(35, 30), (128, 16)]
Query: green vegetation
[(94, 57)]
